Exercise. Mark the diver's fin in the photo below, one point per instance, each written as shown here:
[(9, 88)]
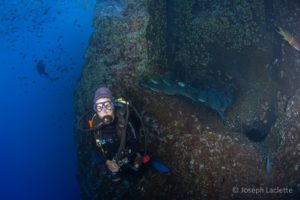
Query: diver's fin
[(160, 167)]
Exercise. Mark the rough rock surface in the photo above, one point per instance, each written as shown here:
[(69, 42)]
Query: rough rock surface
[(209, 158)]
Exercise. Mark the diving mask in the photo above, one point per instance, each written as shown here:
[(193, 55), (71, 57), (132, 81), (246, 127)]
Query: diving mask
[(107, 105)]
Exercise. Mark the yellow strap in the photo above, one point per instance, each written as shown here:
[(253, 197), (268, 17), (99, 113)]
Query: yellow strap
[(121, 100)]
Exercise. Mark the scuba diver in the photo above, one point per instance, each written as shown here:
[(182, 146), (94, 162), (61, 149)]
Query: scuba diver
[(117, 128)]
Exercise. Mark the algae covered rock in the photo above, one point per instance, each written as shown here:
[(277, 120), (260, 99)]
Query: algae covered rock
[(210, 44)]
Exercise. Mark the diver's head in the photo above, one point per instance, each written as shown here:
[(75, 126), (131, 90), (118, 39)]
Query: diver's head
[(103, 105)]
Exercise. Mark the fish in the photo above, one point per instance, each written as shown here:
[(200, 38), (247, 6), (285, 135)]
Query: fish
[(41, 69), (268, 164), (216, 99), (21, 77), (289, 38), (46, 11)]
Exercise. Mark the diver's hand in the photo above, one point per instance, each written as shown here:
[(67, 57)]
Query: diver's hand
[(112, 165)]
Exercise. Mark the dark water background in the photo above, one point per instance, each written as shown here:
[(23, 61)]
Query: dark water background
[(37, 149)]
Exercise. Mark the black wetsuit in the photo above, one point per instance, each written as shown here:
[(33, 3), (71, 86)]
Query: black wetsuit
[(110, 141)]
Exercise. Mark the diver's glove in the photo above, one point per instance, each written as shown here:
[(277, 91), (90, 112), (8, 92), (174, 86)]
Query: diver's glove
[(113, 170), (112, 166)]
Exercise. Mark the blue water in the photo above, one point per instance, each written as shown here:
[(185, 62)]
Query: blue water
[(37, 146)]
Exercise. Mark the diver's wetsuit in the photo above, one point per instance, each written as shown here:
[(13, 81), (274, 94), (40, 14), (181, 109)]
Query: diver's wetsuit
[(110, 141), (127, 186)]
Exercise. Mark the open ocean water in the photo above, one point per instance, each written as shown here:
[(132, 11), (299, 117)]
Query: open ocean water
[(41, 54)]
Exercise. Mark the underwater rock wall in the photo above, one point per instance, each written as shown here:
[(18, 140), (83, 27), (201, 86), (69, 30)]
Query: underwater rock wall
[(195, 41), (117, 54), (196, 29)]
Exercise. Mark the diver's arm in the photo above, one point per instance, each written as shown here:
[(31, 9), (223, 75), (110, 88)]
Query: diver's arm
[(111, 164)]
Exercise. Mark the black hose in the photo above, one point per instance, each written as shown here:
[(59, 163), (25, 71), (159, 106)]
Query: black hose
[(79, 127), (101, 123)]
